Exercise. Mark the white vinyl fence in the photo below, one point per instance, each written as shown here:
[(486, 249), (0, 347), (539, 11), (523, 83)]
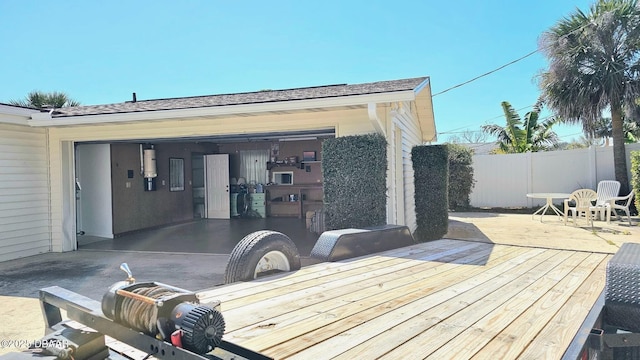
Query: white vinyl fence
[(504, 180)]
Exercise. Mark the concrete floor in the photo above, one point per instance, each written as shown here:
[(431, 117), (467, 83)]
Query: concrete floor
[(205, 236)]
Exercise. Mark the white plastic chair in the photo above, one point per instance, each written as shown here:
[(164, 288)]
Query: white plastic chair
[(607, 190), (584, 199), (612, 206)]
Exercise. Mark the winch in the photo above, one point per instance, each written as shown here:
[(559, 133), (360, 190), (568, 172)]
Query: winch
[(165, 312), (159, 320)]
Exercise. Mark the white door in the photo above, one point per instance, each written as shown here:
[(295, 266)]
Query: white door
[(216, 177)]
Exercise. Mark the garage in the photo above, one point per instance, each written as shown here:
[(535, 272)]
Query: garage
[(265, 146)]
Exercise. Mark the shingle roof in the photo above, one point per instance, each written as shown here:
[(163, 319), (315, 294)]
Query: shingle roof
[(266, 96)]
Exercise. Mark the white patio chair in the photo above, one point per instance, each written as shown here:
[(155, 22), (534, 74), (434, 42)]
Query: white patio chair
[(607, 189), (625, 202), (584, 205)]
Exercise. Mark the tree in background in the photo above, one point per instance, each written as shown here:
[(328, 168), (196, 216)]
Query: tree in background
[(594, 65), (42, 100), (603, 130), (468, 137), (519, 136)]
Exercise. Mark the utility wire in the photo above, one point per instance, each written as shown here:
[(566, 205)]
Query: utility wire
[(485, 74), (580, 28), (455, 131)]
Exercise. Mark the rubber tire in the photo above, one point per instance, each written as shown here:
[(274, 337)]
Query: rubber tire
[(248, 252)]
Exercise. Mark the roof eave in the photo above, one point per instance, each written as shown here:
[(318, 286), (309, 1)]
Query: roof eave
[(424, 109), (45, 119), (15, 115)]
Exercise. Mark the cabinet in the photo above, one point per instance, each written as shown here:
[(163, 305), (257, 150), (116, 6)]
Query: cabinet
[(258, 203), (293, 200)]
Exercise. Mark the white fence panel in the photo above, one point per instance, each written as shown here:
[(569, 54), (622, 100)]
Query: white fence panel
[(604, 164), (504, 180), (560, 171), (500, 180)]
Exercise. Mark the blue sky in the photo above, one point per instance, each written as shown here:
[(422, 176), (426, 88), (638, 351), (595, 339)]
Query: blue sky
[(101, 51)]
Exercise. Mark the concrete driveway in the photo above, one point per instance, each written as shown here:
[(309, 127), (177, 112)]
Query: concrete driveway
[(90, 273), (552, 233)]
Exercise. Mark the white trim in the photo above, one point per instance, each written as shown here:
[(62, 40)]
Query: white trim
[(16, 110), (372, 110), (45, 119), (426, 82), (15, 115)]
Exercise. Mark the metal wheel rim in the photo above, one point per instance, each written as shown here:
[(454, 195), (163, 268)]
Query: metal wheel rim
[(273, 260)]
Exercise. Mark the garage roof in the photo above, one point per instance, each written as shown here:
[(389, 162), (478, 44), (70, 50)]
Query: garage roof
[(266, 96)]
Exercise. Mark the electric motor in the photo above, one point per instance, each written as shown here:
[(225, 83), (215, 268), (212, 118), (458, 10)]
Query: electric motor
[(165, 312)]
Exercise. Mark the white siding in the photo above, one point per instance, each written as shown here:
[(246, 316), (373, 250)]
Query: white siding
[(24, 192), (403, 125)]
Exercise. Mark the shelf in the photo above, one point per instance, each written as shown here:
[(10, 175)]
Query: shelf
[(309, 195), (271, 165)]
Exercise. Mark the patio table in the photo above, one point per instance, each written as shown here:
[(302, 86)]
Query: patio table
[(549, 203)]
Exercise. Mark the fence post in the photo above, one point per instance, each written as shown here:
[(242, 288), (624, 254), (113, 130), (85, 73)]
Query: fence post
[(593, 163), (529, 161)]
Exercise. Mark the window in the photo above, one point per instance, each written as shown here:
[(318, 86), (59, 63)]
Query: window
[(176, 174)]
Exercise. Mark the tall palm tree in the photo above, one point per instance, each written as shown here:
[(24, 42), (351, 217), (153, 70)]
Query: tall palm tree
[(40, 100), (519, 136), (594, 65)]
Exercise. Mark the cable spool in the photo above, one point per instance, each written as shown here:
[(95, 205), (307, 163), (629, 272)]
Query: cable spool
[(139, 315), (159, 310)]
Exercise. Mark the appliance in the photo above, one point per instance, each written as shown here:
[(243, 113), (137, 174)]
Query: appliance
[(282, 177)]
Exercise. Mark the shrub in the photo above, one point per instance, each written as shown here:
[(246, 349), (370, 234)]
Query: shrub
[(354, 169), (431, 177), (460, 176), (635, 177)]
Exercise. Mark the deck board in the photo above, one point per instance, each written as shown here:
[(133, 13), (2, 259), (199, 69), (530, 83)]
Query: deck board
[(445, 299)]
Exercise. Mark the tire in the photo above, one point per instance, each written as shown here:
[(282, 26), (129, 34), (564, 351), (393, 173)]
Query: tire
[(261, 253)]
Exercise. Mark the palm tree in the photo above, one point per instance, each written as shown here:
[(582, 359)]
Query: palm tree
[(518, 136), (603, 130), (594, 65), (40, 100)]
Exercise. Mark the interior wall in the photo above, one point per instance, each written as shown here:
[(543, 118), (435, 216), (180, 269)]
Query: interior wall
[(133, 207), (94, 206), (285, 149)]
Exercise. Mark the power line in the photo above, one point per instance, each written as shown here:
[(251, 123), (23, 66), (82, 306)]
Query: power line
[(485, 74), (454, 131), (580, 28)]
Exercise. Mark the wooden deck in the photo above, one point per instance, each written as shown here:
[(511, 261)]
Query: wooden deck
[(446, 299)]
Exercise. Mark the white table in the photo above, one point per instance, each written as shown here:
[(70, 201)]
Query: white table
[(549, 205)]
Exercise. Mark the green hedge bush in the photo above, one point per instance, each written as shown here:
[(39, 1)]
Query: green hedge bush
[(460, 176), (354, 171), (635, 177), (431, 177)]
